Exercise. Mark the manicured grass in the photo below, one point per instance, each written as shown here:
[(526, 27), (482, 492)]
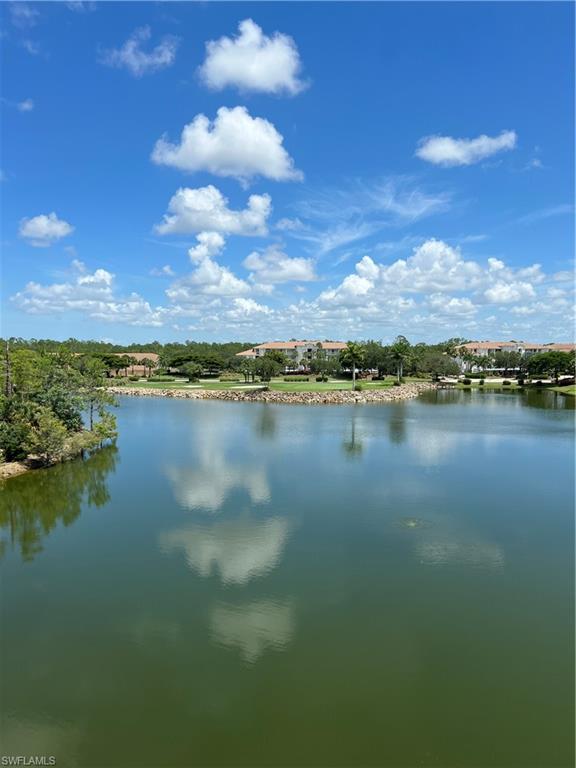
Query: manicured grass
[(278, 384), (569, 390), (324, 386), (488, 385)]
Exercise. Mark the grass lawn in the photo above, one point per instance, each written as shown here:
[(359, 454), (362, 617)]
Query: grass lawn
[(488, 385), (569, 390), (278, 384)]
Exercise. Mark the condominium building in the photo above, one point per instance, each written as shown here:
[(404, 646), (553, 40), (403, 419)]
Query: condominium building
[(297, 352), (489, 348)]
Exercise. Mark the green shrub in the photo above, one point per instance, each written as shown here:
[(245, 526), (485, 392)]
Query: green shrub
[(230, 377), (481, 383), (134, 378), (162, 378), (467, 382), (321, 378), (296, 378), (358, 388), (397, 383), (506, 383)]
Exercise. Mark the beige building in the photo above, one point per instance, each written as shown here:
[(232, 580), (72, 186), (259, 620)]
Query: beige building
[(297, 352), (488, 348)]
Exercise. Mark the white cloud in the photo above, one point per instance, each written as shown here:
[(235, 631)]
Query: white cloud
[(506, 293), (25, 106), (246, 308), (288, 225), (210, 244), (274, 266), (208, 278), (81, 7), (445, 305), (333, 218), (165, 271), (31, 47), (91, 294), (435, 271), (234, 144), (252, 61), (447, 151), (43, 230), (206, 209), (546, 213), (23, 15), (139, 62)]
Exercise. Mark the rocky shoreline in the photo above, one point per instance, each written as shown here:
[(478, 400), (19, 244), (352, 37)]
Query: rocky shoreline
[(335, 397)]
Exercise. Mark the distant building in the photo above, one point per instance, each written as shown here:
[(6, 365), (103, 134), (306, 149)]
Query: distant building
[(297, 352), (138, 369), (490, 348)]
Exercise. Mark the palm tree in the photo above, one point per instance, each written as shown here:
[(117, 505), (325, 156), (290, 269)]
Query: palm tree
[(148, 363), (352, 357), (401, 353)]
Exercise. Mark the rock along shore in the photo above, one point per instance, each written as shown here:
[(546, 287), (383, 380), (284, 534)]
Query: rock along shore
[(335, 397)]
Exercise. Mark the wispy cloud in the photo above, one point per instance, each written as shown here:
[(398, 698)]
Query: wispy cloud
[(546, 213), (334, 218), (23, 15), (138, 61)]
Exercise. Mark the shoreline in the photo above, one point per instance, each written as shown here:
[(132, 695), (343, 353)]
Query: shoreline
[(330, 397)]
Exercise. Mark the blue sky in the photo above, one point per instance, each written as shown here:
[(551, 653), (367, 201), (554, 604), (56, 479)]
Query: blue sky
[(263, 170)]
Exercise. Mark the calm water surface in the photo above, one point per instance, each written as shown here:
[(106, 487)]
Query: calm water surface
[(259, 585)]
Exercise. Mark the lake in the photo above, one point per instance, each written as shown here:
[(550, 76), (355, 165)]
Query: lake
[(244, 584)]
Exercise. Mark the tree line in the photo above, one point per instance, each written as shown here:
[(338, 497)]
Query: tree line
[(53, 405)]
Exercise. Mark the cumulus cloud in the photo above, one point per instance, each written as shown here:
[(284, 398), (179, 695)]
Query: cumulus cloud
[(206, 209), (274, 266), (234, 144), (25, 106), (136, 60), (43, 230), (252, 61), (447, 151), (91, 293), (436, 271), (210, 244), (209, 278), (506, 293)]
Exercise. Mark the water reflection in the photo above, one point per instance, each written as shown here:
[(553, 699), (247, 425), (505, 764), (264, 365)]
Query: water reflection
[(33, 504), (449, 540), (26, 737), (207, 486), (397, 424), (266, 423), (237, 550), (353, 445), (254, 627), (475, 554)]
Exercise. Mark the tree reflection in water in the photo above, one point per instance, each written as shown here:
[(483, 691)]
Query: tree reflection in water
[(32, 504)]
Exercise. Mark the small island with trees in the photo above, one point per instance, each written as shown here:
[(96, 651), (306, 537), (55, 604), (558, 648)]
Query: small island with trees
[(54, 406)]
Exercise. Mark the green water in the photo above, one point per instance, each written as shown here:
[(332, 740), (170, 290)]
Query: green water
[(258, 585)]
